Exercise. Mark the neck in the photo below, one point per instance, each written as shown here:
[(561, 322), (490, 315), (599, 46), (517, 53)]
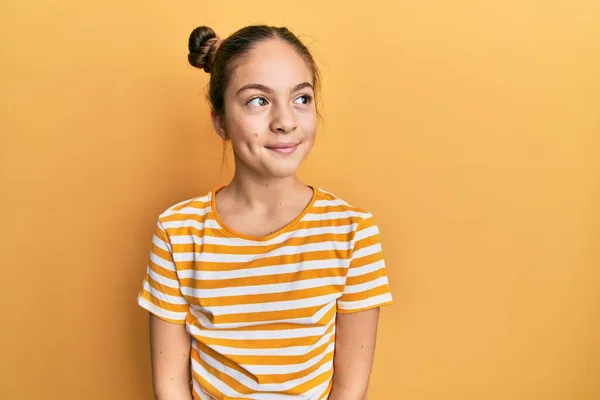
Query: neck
[(260, 192)]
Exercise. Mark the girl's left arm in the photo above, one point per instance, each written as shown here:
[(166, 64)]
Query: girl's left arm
[(356, 335)]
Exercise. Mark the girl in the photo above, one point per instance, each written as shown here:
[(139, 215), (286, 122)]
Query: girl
[(265, 288)]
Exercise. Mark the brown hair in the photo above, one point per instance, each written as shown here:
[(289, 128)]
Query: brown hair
[(219, 58)]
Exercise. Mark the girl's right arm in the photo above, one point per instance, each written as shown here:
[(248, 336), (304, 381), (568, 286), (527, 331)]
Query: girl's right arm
[(170, 346)]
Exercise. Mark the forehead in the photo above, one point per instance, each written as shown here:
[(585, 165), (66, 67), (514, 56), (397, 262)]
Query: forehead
[(273, 63)]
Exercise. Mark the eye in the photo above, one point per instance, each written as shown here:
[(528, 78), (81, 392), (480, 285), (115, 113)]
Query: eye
[(304, 99), (257, 102)]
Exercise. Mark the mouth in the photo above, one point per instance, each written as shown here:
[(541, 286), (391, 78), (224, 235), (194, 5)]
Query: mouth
[(283, 148)]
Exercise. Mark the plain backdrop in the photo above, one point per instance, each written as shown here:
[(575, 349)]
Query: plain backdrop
[(471, 129)]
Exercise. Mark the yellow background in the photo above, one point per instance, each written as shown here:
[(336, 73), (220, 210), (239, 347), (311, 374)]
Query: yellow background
[(471, 129)]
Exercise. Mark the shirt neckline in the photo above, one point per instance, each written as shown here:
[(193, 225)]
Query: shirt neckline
[(215, 215)]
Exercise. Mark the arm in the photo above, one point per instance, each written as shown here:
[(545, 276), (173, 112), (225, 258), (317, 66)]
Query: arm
[(354, 350), (170, 346)]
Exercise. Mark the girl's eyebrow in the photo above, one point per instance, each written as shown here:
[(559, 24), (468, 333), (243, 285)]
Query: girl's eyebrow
[(256, 86), (303, 85), (266, 89)]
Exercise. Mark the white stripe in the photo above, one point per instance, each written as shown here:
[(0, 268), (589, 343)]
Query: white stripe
[(330, 203), (158, 260), (367, 251), (261, 335), (365, 233), (332, 215), (227, 241), (162, 280), (312, 265), (188, 223), (153, 308), (370, 302), (220, 386), (281, 251), (162, 296), (191, 223), (290, 368), (264, 289), (309, 320), (316, 392), (194, 211), (276, 387), (273, 306), (363, 287), (327, 366), (158, 242), (229, 392), (198, 390), (366, 269), (172, 209), (277, 351)]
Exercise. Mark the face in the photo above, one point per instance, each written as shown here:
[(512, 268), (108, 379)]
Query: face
[(270, 114)]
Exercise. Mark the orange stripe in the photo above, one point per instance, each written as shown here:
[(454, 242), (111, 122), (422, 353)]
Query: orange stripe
[(355, 310), (371, 276), (367, 222), (210, 389), (262, 343), (163, 304), (266, 298), (260, 248), (227, 361), (173, 214), (263, 280), (263, 262), (332, 209), (366, 295), (366, 242), (164, 254), (189, 230), (162, 288), (281, 326), (282, 378), (327, 391), (303, 388), (167, 273), (267, 316), (283, 360), (370, 259)]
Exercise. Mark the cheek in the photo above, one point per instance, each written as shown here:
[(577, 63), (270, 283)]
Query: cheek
[(244, 129), (309, 124)]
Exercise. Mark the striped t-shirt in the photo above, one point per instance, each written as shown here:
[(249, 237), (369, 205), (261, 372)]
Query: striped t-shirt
[(261, 310)]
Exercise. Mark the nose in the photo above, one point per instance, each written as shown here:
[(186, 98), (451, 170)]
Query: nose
[(283, 119)]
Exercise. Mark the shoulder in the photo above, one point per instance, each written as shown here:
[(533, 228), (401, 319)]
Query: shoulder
[(364, 230), (328, 202), (193, 209)]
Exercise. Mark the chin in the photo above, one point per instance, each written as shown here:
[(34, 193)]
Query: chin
[(281, 169), (281, 173)]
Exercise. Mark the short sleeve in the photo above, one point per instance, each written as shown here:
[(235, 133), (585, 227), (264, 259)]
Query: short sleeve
[(160, 293), (366, 282)]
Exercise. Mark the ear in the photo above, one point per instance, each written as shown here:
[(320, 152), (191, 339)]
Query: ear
[(219, 124)]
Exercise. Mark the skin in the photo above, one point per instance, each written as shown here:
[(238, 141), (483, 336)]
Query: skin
[(265, 194), (268, 102), (170, 346)]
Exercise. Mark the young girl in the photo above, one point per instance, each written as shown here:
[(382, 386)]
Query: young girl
[(266, 288)]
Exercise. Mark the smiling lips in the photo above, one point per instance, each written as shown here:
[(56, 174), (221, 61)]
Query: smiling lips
[(283, 148)]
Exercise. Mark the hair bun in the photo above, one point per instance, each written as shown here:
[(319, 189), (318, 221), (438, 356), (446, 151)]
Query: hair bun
[(203, 45)]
